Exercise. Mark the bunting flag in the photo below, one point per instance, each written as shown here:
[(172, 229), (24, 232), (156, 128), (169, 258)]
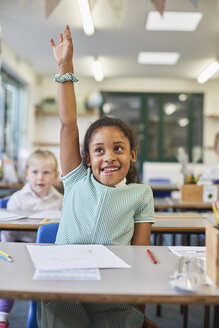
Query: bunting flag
[(195, 3), (50, 5), (159, 5), (119, 7), (92, 4)]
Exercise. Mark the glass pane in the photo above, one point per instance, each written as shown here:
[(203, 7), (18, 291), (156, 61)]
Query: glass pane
[(2, 118), (127, 108), (175, 125), (153, 126), (11, 121), (197, 127)]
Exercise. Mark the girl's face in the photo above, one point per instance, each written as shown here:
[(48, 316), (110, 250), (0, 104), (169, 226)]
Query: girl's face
[(110, 155), (41, 175)]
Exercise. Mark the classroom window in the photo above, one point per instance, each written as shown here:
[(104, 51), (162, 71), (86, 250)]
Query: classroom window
[(11, 109), (163, 122)]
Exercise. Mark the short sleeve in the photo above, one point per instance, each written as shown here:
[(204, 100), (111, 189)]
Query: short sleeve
[(72, 177), (145, 212)]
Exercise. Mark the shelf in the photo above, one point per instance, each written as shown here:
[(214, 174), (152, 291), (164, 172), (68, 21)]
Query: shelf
[(46, 144), (40, 112), (213, 116)]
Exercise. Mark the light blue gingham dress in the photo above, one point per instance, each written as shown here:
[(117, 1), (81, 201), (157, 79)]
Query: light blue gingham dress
[(93, 213)]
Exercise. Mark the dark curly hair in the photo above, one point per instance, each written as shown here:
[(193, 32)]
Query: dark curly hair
[(132, 175)]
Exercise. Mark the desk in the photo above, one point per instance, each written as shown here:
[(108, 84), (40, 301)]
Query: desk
[(181, 222), (164, 222), (142, 283), (8, 189), (161, 204), (163, 186), (22, 224)]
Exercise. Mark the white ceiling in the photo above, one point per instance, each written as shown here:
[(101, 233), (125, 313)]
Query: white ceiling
[(27, 32)]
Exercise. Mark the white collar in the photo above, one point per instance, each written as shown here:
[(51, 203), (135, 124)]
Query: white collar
[(121, 183)]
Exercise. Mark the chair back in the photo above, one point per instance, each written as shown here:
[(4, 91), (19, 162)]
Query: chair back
[(3, 202), (45, 234)]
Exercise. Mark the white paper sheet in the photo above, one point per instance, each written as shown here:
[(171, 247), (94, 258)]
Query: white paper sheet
[(199, 251), (59, 257), (46, 215), (10, 216), (72, 274)]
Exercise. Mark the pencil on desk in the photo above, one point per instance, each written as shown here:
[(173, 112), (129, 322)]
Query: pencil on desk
[(151, 256), (5, 256), (215, 212)]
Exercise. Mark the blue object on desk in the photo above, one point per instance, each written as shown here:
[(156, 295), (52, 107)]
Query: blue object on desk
[(45, 234), (160, 193), (3, 202)]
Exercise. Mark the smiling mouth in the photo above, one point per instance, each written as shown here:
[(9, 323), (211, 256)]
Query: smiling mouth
[(110, 169)]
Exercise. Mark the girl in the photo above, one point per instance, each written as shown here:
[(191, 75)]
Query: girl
[(38, 194), (101, 205)]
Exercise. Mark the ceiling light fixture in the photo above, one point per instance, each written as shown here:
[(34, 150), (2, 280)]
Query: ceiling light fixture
[(98, 70), (173, 21), (86, 17), (158, 58), (209, 71)]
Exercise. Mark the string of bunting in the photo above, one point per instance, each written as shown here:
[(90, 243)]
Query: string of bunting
[(118, 6)]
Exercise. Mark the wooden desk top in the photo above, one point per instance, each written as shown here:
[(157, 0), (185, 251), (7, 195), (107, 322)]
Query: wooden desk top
[(144, 282), (164, 222), (11, 186), (163, 186), (167, 203)]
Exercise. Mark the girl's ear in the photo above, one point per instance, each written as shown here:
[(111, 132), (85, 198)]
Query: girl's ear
[(133, 156), (87, 158)]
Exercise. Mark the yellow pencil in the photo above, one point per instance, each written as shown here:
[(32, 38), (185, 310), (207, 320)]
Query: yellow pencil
[(215, 212), (6, 255)]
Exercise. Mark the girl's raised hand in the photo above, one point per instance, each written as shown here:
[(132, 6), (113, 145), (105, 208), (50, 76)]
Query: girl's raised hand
[(63, 52)]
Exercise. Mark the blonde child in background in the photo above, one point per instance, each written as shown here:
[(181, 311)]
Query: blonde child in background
[(103, 204), (212, 173), (38, 194)]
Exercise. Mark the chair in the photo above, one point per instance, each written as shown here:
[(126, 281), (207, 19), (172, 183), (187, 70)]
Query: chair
[(45, 234), (3, 202)]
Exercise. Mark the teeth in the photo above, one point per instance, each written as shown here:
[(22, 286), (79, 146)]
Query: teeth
[(111, 169)]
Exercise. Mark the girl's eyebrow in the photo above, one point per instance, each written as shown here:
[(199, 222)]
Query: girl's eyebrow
[(101, 143)]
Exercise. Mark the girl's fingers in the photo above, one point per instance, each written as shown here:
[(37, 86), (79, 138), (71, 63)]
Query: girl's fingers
[(67, 35), (68, 32), (52, 42), (60, 37)]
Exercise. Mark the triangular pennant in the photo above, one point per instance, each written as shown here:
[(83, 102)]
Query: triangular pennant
[(195, 3), (119, 8), (92, 4), (50, 5), (159, 5)]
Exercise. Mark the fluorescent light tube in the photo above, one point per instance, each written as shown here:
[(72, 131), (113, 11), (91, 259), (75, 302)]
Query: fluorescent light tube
[(86, 17), (172, 21), (208, 72), (98, 70), (158, 58)]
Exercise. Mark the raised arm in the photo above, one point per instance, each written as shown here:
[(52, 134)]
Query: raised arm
[(69, 138)]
